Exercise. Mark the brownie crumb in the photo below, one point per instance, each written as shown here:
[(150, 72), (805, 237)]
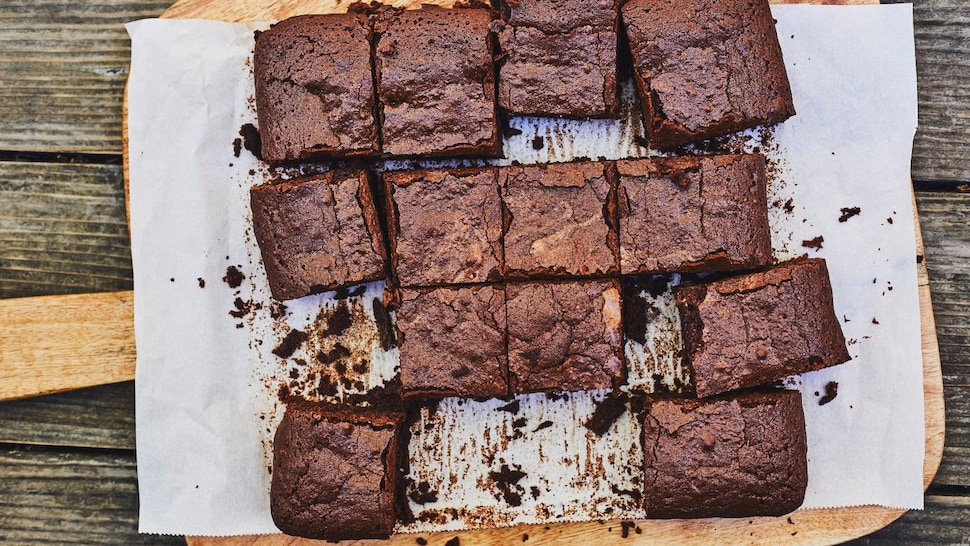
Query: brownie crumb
[(508, 131), (874, 321), (625, 528), (251, 140), (632, 493), (453, 541), (815, 243), (538, 143), (849, 212), (831, 391), (641, 141), (542, 425), (333, 355), (233, 277), (421, 541), (511, 407), (201, 282), (506, 479), (236, 147), (344, 292), (242, 308), (606, 413), (890, 219), (525, 537), (339, 321), (535, 492), (290, 343), (424, 494), (789, 206)]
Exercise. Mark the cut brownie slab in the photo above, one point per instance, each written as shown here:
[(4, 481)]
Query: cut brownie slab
[(318, 233), (564, 336), (452, 342), (559, 58), (560, 220), (730, 457), (758, 328), (314, 88), (335, 473), (685, 214), (436, 82), (706, 68), (445, 226)]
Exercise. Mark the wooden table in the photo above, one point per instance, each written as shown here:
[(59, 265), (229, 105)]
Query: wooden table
[(67, 461)]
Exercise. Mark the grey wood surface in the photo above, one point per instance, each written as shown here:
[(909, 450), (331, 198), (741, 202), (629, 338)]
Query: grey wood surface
[(67, 461)]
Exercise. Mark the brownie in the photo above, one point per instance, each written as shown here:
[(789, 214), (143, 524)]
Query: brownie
[(761, 327), (335, 473), (436, 82), (728, 456), (314, 88), (318, 233), (705, 68), (564, 336), (445, 226), (559, 220), (684, 214), (559, 58), (452, 342)]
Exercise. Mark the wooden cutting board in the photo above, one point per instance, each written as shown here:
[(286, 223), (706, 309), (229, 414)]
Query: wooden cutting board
[(58, 343)]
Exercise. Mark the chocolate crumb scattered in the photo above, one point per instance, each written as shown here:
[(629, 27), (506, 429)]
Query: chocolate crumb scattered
[(421, 541), (831, 391), (815, 243), (453, 541), (236, 147), (509, 131), (339, 321), (626, 526), (846, 319), (525, 537), (385, 330), (344, 292), (277, 310), (290, 343), (790, 521), (538, 143), (172, 279), (201, 282), (632, 493), (423, 494), (641, 141), (606, 413), (849, 212), (333, 355), (511, 407), (542, 425), (242, 308), (874, 321), (890, 219), (251, 140), (789, 206), (520, 422), (535, 492), (233, 277), (506, 479)]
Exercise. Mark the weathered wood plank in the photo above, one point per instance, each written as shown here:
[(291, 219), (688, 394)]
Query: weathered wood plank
[(64, 67), (946, 520), (49, 497), (96, 417), (62, 229), (944, 218)]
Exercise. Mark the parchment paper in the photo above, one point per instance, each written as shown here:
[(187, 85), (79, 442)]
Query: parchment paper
[(207, 381)]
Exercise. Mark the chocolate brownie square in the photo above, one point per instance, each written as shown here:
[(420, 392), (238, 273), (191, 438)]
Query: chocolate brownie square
[(559, 220), (564, 336), (452, 342), (318, 233), (761, 327), (314, 88), (436, 82), (705, 68), (335, 472), (683, 214), (559, 58), (445, 226), (728, 456)]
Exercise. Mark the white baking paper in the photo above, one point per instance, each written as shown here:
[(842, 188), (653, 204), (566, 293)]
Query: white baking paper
[(207, 381)]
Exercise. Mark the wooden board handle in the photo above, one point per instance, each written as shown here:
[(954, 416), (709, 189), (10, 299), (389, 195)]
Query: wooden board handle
[(59, 343)]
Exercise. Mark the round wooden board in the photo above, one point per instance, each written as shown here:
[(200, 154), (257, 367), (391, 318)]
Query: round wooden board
[(822, 526)]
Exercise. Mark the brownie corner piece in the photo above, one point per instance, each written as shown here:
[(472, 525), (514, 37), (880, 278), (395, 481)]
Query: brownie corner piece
[(314, 89), (761, 327), (445, 226), (706, 69), (693, 213), (559, 58), (564, 336), (318, 233), (731, 456), (559, 220), (335, 472), (436, 82), (452, 342)]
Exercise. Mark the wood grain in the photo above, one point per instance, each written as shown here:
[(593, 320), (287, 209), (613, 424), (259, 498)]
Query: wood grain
[(52, 497), (62, 229), (59, 343), (64, 66), (101, 417)]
